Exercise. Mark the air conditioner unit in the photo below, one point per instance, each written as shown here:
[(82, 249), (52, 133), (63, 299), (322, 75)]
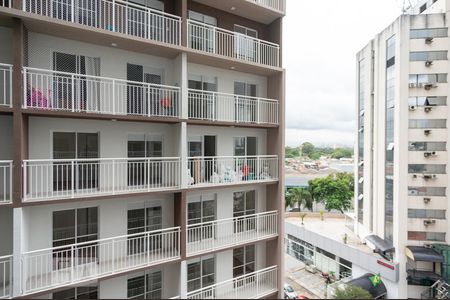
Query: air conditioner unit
[(427, 109), (429, 222), (428, 63), (429, 154), (429, 176), (427, 131), (428, 40), (429, 86), (426, 200), (412, 107)]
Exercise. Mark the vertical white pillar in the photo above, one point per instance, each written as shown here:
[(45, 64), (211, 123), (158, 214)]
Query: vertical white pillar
[(181, 80), (183, 280), (184, 155), (17, 252)]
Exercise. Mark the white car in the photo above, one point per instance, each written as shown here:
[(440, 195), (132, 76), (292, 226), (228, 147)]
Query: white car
[(289, 292)]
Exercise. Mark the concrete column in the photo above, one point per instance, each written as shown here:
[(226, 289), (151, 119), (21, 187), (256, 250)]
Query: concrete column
[(183, 280), (17, 252), (184, 87), (184, 155)]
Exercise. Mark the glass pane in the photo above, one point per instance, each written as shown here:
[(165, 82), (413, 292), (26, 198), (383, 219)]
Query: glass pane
[(238, 204), (154, 218), (66, 294), (154, 149), (239, 146), (136, 145), (136, 221), (194, 213), (87, 145), (209, 211), (63, 225), (136, 286), (64, 145), (194, 271), (87, 221), (250, 202)]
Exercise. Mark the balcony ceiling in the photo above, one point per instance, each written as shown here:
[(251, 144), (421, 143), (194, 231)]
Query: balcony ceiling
[(245, 9)]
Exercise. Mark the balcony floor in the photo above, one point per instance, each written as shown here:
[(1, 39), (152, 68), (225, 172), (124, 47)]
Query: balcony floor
[(94, 270), (229, 240)]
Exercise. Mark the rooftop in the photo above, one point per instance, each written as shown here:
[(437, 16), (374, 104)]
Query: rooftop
[(333, 227)]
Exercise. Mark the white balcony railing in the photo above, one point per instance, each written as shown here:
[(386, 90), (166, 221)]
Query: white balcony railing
[(213, 106), (112, 15), (61, 91), (231, 169), (76, 263), (227, 43), (6, 85), (5, 276), (250, 286), (59, 178), (220, 234), (5, 181), (273, 4)]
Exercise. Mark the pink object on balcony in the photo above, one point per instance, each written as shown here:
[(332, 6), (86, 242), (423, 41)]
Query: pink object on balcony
[(166, 102), (38, 99)]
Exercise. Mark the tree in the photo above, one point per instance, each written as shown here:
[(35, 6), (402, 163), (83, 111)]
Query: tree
[(292, 152), (289, 199), (299, 196), (307, 149), (341, 153), (351, 292), (335, 191)]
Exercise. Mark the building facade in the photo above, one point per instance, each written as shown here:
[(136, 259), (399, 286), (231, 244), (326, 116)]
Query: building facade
[(401, 187), (141, 149)]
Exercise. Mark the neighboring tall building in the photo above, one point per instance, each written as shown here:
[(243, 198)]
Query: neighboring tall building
[(402, 182), (142, 149)]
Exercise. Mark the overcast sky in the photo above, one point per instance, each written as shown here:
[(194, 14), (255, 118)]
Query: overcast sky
[(321, 39)]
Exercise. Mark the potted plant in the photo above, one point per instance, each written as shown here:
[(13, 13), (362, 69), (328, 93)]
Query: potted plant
[(345, 238), (302, 216), (322, 212)]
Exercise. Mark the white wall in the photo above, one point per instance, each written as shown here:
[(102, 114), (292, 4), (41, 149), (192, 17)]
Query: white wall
[(226, 78), (6, 137), (5, 45), (112, 216), (113, 61), (113, 135), (225, 135)]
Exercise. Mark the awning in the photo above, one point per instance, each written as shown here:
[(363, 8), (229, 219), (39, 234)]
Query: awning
[(380, 244), (417, 253), (421, 275), (365, 283)]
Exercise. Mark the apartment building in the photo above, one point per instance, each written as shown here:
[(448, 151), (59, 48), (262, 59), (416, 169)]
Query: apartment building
[(141, 149), (401, 188)]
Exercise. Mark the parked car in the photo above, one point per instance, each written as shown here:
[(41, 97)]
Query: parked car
[(289, 292)]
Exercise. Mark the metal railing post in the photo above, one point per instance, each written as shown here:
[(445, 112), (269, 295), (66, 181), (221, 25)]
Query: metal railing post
[(72, 174), (73, 92), (25, 87)]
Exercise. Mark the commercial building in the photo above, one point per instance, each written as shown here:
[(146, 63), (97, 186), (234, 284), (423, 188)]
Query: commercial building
[(141, 148)]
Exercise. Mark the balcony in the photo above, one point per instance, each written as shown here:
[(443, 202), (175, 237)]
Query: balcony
[(5, 277), (5, 85), (69, 92), (5, 181), (278, 5), (112, 15), (213, 106), (228, 170), (220, 234), (250, 286), (211, 39), (62, 179), (70, 264)]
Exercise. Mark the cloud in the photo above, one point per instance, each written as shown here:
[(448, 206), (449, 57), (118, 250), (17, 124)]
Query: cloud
[(321, 39)]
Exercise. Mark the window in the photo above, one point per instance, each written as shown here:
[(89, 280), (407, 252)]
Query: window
[(245, 146), (426, 214), (427, 78), (427, 169), (144, 146), (246, 107), (75, 145), (428, 55), (142, 220), (244, 261), (202, 105), (244, 204), (71, 227), (361, 103), (427, 191), (427, 101), (428, 33), (80, 292), (201, 209), (245, 43), (426, 236), (427, 146), (148, 286), (427, 123), (201, 273), (202, 34)]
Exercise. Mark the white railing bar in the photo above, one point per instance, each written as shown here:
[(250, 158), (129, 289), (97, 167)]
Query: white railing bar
[(232, 95), (240, 157), (5, 65), (102, 159), (232, 219), (232, 32), (6, 257), (266, 270), (149, 9), (101, 77), (174, 229)]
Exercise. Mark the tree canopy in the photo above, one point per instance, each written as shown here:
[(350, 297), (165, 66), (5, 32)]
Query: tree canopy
[(351, 292), (335, 191), (309, 150)]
